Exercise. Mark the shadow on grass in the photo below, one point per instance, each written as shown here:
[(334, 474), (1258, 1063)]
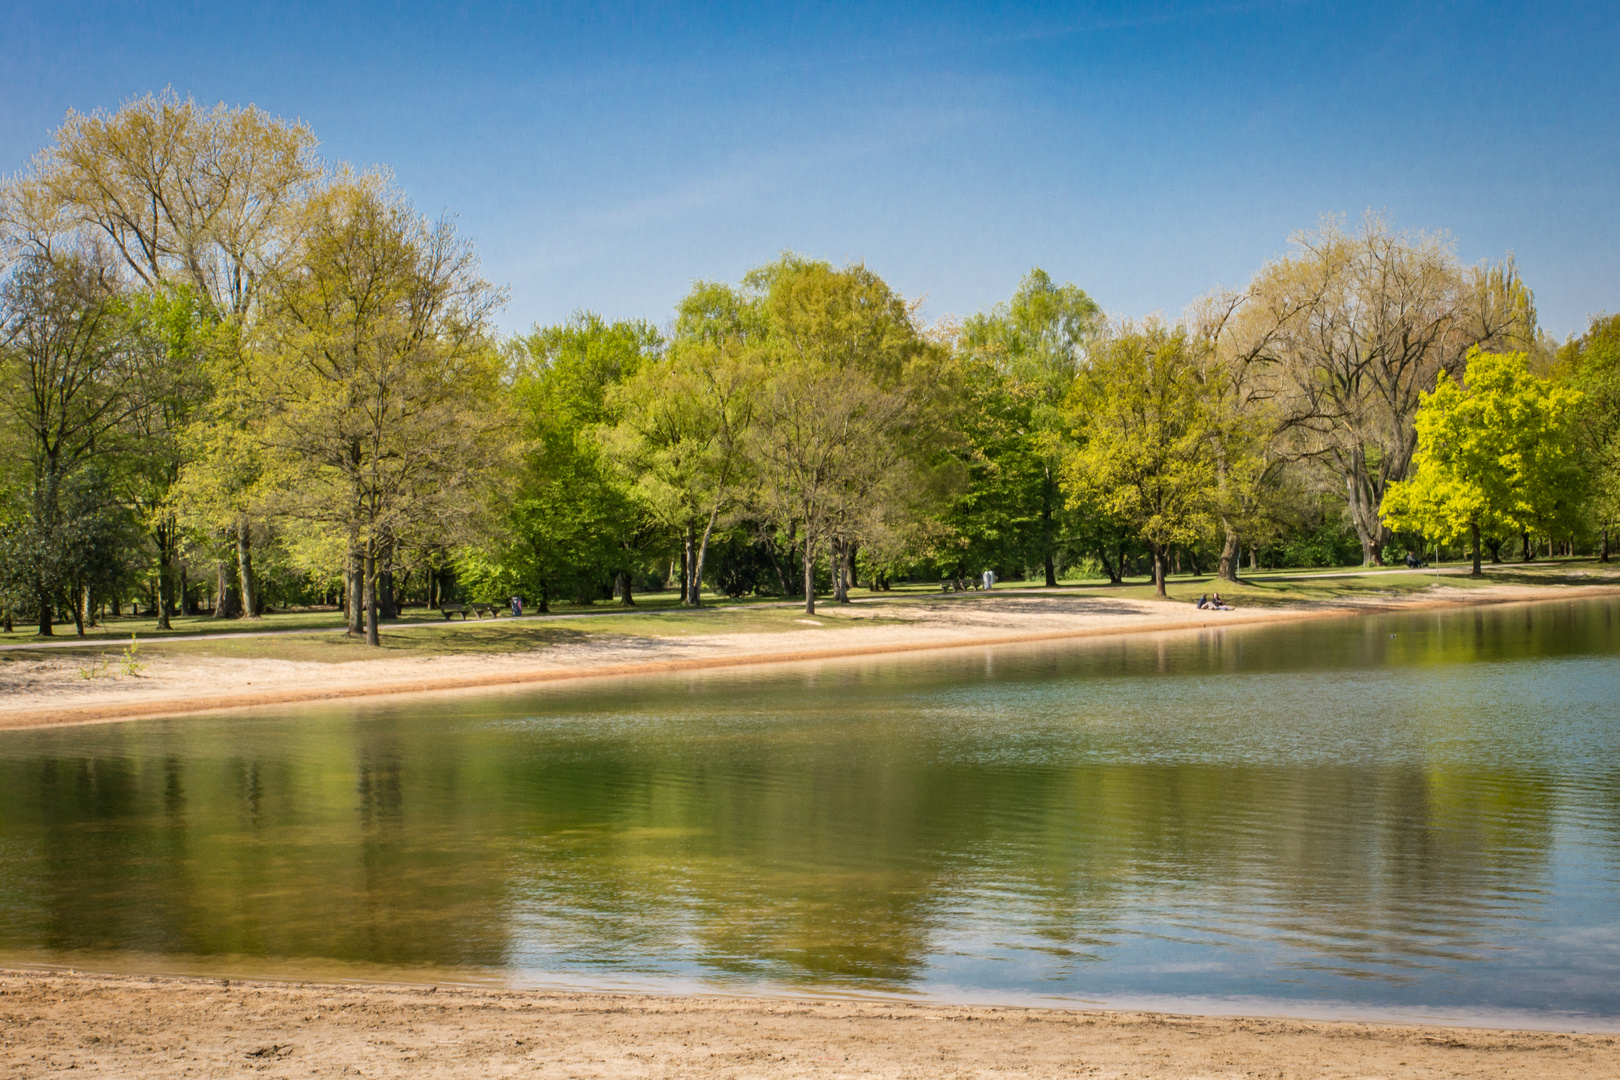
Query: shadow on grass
[(1594, 573), (491, 639)]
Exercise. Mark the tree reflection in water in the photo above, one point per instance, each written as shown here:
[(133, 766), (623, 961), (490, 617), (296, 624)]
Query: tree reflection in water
[(1409, 808)]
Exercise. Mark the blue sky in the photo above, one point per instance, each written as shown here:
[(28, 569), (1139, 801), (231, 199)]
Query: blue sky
[(605, 158)]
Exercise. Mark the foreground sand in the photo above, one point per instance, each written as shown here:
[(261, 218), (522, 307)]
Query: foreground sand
[(167, 1027), (45, 687)]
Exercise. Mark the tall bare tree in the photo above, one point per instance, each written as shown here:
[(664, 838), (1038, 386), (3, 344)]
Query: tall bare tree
[(1354, 328), (183, 193)]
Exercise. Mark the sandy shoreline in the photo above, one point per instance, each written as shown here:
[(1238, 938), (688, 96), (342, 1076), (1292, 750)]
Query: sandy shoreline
[(109, 1025), (41, 689)]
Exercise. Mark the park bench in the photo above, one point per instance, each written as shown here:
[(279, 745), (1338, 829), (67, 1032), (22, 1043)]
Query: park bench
[(474, 608)]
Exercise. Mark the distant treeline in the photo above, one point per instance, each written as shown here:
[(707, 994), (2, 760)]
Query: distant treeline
[(234, 377)]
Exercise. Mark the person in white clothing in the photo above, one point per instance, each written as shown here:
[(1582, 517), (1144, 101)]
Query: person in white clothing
[(989, 578)]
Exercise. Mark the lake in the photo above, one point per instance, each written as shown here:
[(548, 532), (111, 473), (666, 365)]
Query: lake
[(1396, 815)]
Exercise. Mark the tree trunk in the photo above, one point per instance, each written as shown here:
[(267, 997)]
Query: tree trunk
[(1124, 571), (1529, 553), (1157, 554), (165, 578), (776, 564), (1108, 567), (81, 610), (1048, 563), (625, 597), (44, 613), (1192, 559), (372, 635), (222, 606), (1474, 528), (702, 557), (809, 577), (835, 560), (244, 568), (1603, 553), (687, 559), (851, 580), (354, 589), (1231, 556), (387, 606)]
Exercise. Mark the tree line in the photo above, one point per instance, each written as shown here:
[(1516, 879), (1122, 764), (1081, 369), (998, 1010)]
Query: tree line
[(234, 376)]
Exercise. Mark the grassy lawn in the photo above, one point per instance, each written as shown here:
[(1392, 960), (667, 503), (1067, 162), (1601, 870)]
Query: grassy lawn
[(478, 636), (314, 635)]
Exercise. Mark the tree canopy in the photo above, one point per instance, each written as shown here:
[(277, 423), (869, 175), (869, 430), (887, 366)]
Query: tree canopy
[(235, 376)]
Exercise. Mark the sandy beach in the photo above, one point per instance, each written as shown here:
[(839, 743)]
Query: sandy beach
[(48, 686), (161, 1026), (121, 1026)]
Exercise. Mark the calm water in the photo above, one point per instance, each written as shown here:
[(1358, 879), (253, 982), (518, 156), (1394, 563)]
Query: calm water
[(1414, 813)]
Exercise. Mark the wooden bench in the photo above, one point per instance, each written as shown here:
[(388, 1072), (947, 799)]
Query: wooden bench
[(474, 608)]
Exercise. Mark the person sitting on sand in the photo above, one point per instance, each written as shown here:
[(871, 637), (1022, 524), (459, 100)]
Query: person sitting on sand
[(1203, 602), (1218, 604)]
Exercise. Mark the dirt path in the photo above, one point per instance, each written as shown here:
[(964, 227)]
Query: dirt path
[(117, 1026)]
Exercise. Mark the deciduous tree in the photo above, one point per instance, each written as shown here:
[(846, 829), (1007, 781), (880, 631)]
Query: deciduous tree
[(1364, 324), (1494, 451), (1141, 432), (373, 382)]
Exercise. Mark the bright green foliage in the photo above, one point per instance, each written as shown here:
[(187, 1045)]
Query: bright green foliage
[(66, 390), (172, 336), (1495, 453), (850, 413), (572, 523), (1142, 446), (1591, 364), (1020, 360), (373, 386), (682, 420)]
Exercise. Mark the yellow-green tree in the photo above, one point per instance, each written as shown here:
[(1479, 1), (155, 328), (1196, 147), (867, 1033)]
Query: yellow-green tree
[(186, 195), (572, 522), (1019, 359), (374, 381), (683, 419), (1591, 364), (1142, 447), (1493, 452), (847, 408), (1353, 328)]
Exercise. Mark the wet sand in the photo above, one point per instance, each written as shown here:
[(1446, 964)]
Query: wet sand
[(122, 1026)]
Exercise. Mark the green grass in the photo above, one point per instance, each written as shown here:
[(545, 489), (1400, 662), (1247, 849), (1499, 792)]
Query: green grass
[(492, 636), (294, 636)]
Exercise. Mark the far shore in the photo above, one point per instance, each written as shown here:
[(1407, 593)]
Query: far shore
[(162, 1026), (177, 676)]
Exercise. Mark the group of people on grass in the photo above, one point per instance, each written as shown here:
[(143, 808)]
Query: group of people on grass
[(1213, 603)]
